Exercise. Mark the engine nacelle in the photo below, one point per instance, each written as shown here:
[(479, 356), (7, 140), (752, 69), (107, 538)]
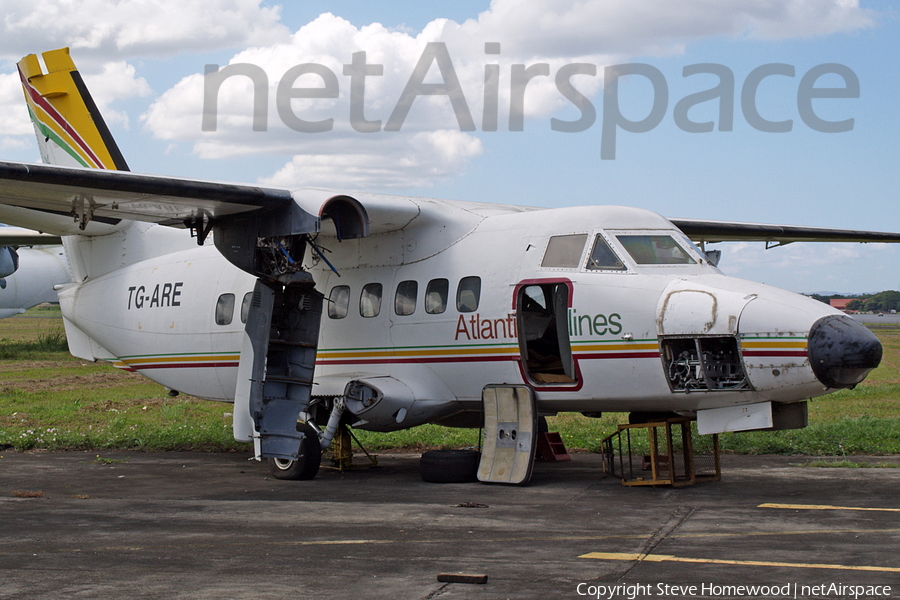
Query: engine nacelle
[(381, 403), (9, 261)]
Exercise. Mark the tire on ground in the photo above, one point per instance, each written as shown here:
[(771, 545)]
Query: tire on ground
[(450, 466), (307, 465)]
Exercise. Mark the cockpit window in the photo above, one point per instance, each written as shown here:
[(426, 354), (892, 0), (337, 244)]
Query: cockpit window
[(603, 258), (564, 251), (655, 250)]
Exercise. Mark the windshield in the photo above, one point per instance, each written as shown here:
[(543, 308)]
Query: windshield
[(603, 258), (655, 250)]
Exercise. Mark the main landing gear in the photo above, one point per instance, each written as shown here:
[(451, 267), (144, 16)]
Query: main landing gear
[(307, 465)]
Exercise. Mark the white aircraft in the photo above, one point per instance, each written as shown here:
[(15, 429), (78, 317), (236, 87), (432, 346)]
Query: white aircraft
[(31, 265), (387, 312)]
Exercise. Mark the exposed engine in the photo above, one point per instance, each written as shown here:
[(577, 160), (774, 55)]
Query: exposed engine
[(703, 364)]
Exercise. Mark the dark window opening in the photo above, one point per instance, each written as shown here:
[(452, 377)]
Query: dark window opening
[(339, 302), (370, 300), (405, 298), (225, 309), (468, 294), (245, 306), (436, 296)]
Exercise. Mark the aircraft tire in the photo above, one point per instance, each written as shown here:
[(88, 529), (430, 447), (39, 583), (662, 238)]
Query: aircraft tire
[(307, 465), (449, 466)]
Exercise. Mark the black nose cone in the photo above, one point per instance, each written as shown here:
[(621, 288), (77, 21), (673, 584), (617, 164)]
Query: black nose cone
[(842, 351)]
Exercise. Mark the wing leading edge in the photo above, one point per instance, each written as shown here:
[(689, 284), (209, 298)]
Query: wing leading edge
[(774, 235), (110, 196)]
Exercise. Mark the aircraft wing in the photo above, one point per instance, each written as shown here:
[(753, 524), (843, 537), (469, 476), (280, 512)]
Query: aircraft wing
[(107, 196), (16, 236), (775, 235)]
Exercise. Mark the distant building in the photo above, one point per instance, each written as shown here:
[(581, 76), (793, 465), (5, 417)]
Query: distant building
[(841, 303)]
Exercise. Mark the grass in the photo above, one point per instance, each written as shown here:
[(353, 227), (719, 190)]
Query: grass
[(50, 400)]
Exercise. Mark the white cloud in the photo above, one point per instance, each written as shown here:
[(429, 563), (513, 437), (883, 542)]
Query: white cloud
[(117, 81), (565, 27), (14, 114), (556, 32), (124, 28), (415, 160), (546, 31), (16, 131)]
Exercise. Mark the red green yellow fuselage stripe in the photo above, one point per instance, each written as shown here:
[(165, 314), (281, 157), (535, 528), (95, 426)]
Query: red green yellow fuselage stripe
[(589, 350), (178, 361), (757, 347)]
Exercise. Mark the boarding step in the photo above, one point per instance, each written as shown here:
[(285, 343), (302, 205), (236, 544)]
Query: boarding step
[(551, 447)]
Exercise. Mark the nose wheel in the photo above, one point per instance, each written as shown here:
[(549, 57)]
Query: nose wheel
[(307, 464)]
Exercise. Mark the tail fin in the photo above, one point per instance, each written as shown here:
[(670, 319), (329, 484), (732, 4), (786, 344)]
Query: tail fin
[(70, 129)]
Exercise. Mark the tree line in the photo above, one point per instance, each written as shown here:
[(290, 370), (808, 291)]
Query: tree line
[(881, 302)]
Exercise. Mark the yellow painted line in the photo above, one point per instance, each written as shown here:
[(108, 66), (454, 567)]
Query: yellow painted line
[(722, 561), (770, 344), (823, 507), (741, 534)]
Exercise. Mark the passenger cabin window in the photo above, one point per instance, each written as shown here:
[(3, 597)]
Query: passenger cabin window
[(405, 298), (564, 251), (370, 300), (339, 302), (655, 250), (603, 258), (436, 296), (225, 309), (468, 294), (245, 306)]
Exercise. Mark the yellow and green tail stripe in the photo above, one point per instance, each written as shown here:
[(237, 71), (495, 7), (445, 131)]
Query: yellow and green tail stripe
[(64, 112)]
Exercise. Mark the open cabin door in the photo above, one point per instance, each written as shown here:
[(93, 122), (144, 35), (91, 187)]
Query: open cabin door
[(542, 313)]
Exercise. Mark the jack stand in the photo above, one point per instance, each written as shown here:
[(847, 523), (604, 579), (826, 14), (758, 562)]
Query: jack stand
[(341, 452)]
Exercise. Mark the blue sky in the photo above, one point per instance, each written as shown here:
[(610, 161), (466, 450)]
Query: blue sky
[(152, 95)]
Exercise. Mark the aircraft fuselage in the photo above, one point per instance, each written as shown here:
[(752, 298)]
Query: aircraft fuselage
[(597, 308)]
